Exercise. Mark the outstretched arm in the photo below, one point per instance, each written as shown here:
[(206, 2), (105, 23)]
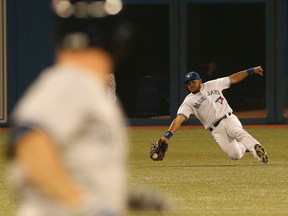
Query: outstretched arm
[(158, 149), (175, 124), (239, 76)]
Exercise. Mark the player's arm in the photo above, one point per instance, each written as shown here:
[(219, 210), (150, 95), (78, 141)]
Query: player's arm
[(39, 158), (158, 149), (174, 126), (239, 76)]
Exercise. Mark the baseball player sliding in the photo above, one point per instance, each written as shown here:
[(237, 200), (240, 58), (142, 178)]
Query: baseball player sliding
[(209, 105)]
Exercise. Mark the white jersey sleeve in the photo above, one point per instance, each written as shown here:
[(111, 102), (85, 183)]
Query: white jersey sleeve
[(223, 83)]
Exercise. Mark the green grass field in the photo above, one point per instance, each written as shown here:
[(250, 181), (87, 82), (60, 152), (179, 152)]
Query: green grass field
[(197, 176)]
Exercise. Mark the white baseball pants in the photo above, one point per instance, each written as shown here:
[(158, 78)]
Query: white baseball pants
[(233, 139)]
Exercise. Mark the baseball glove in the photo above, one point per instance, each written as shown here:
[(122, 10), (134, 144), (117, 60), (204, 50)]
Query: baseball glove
[(158, 150)]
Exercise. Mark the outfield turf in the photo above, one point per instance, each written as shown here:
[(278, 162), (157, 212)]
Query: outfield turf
[(198, 177)]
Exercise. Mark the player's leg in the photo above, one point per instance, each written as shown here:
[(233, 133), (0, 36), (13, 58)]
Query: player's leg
[(235, 129), (229, 145)]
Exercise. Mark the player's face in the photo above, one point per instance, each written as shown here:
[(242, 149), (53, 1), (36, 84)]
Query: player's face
[(194, 86)]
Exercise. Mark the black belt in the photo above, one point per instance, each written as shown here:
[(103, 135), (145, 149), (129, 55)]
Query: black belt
[(218, 121)]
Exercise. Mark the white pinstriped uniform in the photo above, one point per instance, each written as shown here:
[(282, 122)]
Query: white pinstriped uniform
[(88, 128), (208, 106)]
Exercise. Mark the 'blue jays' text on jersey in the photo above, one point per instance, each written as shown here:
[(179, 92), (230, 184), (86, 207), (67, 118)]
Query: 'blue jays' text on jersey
[(209, 104)]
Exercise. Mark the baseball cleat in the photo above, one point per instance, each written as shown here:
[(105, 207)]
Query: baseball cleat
[(261, 153)]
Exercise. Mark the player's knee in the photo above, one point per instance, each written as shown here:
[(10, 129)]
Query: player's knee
[(235, 155)]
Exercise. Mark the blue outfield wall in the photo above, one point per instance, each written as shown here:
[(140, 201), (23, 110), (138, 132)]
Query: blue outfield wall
[(30, 50)]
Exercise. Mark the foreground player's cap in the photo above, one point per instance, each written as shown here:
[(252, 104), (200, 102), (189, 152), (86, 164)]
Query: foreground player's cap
[(81, 24), (191, 76)]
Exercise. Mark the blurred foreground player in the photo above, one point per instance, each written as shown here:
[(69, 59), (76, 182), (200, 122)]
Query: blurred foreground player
[(68, 141)]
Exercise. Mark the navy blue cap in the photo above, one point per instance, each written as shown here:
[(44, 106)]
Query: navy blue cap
[(191, 76)]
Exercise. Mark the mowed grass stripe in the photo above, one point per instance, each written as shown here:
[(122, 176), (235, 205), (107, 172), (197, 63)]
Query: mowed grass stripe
[(202, 180), (197, 176)]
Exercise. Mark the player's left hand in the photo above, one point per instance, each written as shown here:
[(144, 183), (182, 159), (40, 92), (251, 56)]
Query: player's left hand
[(158, 149), (258, 70)]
